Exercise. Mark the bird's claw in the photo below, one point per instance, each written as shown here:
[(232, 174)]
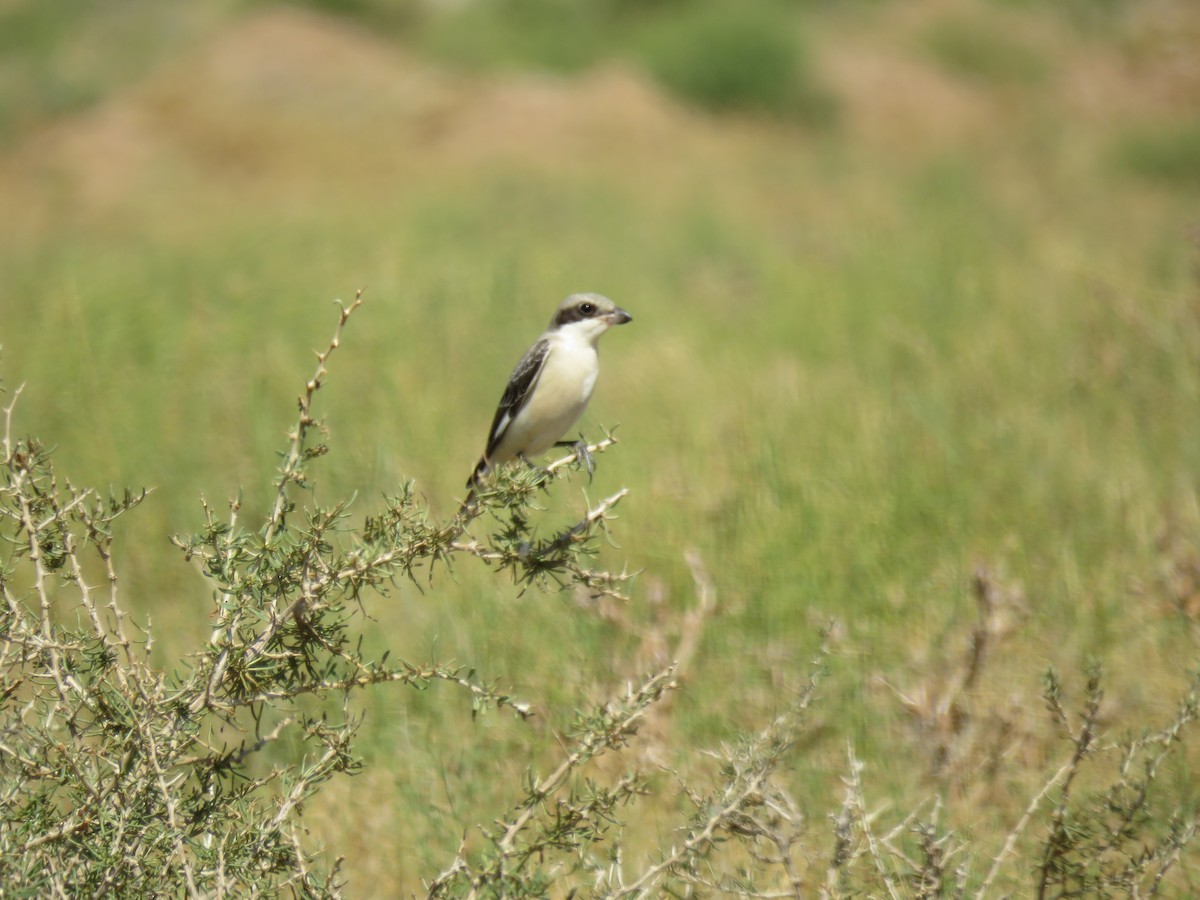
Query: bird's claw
[(582, 453), (585, 457)]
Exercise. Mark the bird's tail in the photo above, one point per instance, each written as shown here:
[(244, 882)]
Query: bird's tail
[(481, 469), (468, 505)]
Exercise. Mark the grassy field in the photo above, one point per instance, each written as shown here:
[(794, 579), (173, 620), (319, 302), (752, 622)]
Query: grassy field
[(944, 332)]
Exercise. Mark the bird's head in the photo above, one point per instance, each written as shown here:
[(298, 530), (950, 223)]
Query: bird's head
[(590, 314)]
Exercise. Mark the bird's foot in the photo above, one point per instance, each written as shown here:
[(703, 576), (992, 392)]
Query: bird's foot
[(582, 454)]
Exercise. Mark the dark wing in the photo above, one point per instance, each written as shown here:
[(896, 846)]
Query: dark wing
[(519, 390)]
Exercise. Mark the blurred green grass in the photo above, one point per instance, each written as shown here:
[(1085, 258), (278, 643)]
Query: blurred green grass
[(853, 376), (1168, 156)]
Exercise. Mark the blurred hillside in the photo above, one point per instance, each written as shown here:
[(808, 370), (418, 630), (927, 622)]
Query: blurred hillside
[(283, 101)]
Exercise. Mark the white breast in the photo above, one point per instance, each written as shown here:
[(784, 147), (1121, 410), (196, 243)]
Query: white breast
[(559, 399)]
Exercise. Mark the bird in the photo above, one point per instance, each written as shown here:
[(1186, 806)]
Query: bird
[(550, 387)]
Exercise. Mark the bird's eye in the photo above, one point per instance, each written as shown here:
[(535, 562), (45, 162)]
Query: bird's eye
[(588, 309)]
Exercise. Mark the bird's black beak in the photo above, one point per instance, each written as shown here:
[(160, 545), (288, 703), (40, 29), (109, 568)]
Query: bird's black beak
[(619, 317)]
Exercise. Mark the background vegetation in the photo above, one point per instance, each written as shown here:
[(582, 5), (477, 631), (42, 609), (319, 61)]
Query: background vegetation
[(915, 351)]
